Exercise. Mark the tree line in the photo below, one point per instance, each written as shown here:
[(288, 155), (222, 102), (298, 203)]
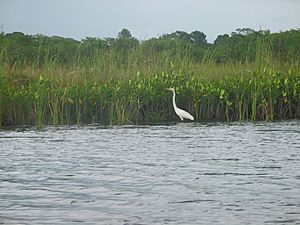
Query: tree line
[(242, 45)]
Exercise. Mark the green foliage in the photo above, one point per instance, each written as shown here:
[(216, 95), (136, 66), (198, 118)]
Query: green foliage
[(248, 75), (239, 46), (124, 34), (263, 95)]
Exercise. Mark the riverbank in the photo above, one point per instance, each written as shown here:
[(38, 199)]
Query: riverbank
[(232, 92), (247, 75)]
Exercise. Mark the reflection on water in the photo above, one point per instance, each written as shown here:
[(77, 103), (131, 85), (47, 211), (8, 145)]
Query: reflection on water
[(184, 173)]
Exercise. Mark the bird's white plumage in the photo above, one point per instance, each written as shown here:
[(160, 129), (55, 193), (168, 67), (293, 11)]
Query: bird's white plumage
[(180, 112)]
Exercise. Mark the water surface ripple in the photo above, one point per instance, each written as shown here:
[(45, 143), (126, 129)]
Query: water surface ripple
[(184, 173)]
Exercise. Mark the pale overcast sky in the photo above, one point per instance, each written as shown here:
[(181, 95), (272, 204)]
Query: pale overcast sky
[(145, 18)]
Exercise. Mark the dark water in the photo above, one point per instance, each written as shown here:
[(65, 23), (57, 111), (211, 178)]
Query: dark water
[(175, 174)]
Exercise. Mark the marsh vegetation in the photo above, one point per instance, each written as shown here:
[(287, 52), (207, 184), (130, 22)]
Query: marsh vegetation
[(247, 75)]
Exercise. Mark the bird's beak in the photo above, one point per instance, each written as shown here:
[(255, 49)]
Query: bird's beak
[(168, 89)]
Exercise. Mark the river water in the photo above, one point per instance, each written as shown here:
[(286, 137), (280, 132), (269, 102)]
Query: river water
[(184, 173)]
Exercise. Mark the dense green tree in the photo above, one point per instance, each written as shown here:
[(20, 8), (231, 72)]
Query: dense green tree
[(199, 38), (242, 45), (124, 33)]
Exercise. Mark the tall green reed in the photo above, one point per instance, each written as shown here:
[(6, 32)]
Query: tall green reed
[(129, 89)]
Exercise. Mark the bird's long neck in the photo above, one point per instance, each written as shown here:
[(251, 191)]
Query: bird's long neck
[(174, 103)]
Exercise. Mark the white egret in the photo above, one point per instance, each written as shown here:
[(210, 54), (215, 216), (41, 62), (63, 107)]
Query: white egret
[(181, 113)]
